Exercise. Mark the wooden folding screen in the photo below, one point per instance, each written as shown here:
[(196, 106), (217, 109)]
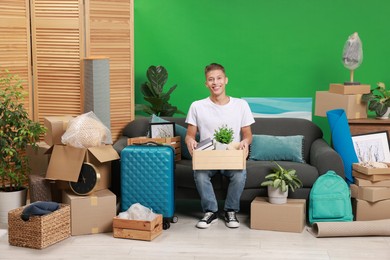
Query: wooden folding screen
[(109, 32), (63, 32), (15, 42)]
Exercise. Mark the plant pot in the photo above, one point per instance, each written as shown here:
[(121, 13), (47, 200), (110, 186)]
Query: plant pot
[(11, 200), (277, 196), (386, 115), (220, 146)]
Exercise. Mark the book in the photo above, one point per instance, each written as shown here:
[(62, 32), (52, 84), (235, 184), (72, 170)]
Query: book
[(206, 144)]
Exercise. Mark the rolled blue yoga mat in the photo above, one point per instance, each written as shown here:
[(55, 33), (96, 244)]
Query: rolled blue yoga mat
[(342, 140)]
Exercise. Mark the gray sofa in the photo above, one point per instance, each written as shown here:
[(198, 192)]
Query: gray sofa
[(318, 155)]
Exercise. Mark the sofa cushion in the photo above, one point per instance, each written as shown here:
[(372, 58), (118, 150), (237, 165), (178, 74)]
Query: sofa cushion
[(277, 148)]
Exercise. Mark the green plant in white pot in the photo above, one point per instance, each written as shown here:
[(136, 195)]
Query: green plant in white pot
[(279, 181), (223, 136), (17, 131)]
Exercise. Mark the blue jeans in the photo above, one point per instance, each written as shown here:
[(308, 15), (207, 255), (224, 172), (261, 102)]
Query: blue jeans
[(206, 191)]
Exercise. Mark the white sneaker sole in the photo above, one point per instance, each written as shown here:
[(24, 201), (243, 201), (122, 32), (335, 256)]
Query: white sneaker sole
[(232, 224), (203, 225)]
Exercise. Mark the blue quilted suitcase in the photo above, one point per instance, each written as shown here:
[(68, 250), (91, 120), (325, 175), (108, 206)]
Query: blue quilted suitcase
[(147, 177)]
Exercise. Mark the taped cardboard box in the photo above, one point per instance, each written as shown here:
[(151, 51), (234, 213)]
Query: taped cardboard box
[(365, 210), (91, 214), (66, 162), (351, 104), (38, 159), (288, 217), (137, 229), (349, 89), (56, 127), (371, 194), (219, 160), (172, 141), (364, 183)]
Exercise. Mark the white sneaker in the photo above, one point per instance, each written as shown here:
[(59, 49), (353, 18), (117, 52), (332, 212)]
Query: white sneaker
[(231, 219), (208, 219)]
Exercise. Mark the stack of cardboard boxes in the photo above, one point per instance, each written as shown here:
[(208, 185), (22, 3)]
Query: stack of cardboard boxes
[(339, 96), (371, 192), (61, 164)]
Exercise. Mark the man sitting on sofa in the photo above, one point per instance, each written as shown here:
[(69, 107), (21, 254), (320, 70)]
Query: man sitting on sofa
[(206, 116)]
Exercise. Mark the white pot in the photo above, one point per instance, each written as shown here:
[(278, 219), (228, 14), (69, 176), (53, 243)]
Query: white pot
[(277, 196), (11, 200), (386, 115), (220, 146)]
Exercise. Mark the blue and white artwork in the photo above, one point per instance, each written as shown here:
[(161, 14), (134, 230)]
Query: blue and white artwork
[(280, 107)]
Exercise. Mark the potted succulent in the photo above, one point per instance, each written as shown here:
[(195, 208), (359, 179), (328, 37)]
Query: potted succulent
[(223, 137), (279, 181), (17, 131), (153, 93), (378, 100)]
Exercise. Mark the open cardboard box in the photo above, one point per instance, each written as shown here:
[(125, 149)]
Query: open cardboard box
[(66, 162)]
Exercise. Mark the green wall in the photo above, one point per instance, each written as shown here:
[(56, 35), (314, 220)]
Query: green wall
[(278, 48)]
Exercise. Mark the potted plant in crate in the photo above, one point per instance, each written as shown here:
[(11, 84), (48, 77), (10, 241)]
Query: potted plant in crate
[(279, 181), (223, 137), (17, 131), (378, 101)]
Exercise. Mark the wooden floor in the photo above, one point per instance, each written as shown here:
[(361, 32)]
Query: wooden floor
[(184, 241)]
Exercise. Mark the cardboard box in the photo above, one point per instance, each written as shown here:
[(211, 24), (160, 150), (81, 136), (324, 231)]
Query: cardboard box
[(364, 183), (66, 162), (91, 214), (289, 217), (349, 89), (137, 229), (219, 160), (56, 127), (365, 210), (371, 171), (172, 141), (373, 177), (371, 194), (351, 104), (38, 159)]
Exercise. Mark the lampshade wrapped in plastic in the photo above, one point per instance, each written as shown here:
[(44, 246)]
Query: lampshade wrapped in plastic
[(353, 52)]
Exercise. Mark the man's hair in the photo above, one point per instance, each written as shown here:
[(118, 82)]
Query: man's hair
[(214, 66)]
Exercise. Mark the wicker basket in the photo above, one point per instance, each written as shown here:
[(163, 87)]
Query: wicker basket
[(39, 231)]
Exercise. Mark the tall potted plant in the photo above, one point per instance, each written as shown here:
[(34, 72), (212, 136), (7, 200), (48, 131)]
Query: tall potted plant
[(153, 92), (279, 181), (17, 131)]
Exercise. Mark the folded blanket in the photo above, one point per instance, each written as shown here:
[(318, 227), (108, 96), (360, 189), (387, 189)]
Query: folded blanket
[(39, 208)]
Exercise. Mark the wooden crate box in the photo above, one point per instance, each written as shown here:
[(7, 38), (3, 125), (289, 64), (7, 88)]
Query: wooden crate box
[(137, 229)]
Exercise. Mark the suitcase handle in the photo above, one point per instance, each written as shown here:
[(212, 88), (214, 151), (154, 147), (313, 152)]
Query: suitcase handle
[(149, 143)]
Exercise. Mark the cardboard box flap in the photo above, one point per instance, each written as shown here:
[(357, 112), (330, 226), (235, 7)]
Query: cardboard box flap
[(65, 163), (104, 153)]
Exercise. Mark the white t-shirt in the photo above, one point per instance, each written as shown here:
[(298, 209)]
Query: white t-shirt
[(208, 116)]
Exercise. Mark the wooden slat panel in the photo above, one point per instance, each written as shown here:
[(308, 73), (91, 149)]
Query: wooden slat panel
[(109, 32), (57, 40), (15, 43)]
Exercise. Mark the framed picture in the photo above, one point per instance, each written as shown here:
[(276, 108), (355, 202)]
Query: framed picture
[(162, 130), (372, 147)]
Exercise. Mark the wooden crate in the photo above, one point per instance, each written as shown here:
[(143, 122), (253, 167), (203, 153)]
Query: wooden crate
[(137, 229), (172, 141), (219, 160)]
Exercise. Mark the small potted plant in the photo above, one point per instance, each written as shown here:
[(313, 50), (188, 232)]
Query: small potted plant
[(17, 131), (223, 137), (378, 101), (279, 181)]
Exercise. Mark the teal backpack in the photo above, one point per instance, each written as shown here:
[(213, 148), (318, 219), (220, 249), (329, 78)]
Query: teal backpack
[(330, 199)]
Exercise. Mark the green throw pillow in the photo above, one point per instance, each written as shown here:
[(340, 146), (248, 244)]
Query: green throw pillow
[(277, 148), (181, 131)]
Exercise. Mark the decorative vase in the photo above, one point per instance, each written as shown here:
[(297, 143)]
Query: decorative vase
[(386, 115), (220, 146), (11, 200), (277, 196)]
